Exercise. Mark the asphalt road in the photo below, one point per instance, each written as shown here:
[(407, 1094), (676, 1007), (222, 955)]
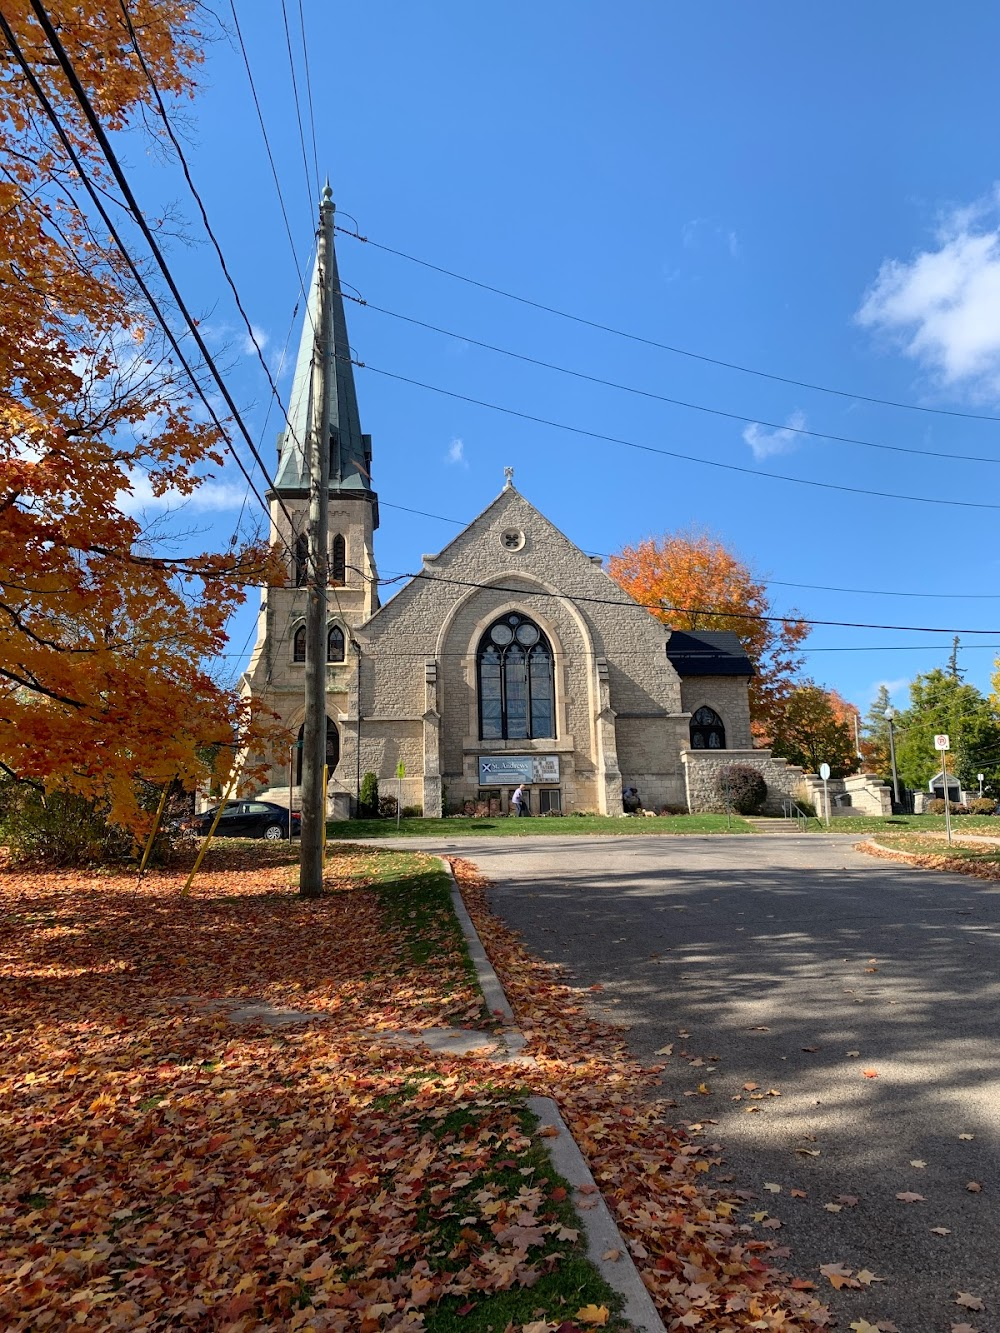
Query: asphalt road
[(761, 947)]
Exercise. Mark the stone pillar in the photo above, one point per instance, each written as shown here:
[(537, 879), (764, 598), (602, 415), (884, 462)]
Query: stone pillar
[(609, 778), (432, 743)]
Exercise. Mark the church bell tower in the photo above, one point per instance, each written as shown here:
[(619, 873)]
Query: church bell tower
[(275, 674)]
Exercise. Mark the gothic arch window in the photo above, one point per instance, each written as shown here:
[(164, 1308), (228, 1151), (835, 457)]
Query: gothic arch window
[(301, 554), (335, 644), (514, 668), (338, 566), (299, 644), (332, 750), (707, 730)]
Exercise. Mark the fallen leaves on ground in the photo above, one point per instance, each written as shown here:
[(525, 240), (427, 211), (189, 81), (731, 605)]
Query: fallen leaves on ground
[(167, 1168)]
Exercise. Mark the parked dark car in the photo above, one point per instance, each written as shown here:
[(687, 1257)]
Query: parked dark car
[(247, 819)]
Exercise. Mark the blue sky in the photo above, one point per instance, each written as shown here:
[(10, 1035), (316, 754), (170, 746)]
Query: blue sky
[(810, 192)]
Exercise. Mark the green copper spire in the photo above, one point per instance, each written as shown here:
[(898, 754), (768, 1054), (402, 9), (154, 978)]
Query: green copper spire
[(350, 451)]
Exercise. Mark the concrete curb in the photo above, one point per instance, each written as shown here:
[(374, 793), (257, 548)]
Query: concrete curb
[(595, 1216), (603, 1236)]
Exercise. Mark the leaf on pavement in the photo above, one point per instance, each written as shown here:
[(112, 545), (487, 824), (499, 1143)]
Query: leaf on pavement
[(941, 1231), (918, 1163), (870, 1073), (907, 1196), (833, 1207), (866, 1277), (970, 1302), (966, 1136), (854, 1054), (974, 1187), (771, 1187)]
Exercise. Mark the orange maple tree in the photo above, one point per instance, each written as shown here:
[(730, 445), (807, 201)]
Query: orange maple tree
[(691, 581), (104, 639), (817, 726)]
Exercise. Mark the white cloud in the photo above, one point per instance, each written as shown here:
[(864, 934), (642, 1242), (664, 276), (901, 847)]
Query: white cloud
[(766, 442), (261, 337), (211, 497), (943, 305), (697, 233), (456, 453)]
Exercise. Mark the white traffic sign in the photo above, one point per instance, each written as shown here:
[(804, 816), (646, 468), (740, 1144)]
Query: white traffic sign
[(942, 742), (824, 772)]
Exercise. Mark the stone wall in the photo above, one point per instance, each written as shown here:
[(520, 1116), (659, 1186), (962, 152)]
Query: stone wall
[(727, 695), (701, 767), (860, 794)]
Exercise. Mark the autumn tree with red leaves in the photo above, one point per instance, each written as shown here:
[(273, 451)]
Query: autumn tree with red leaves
[(816, 727), (105, 640), (691, 581)]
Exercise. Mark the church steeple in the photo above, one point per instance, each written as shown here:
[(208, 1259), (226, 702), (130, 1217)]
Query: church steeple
[(350, 450)]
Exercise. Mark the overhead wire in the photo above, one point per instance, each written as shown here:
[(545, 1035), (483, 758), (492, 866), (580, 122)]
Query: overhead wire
[(951, 595), (309, 92), (185, 167), (626, 601), (119, 242), (80, 94), (298, 104), (671, 453), (668, 347), (670, 401)]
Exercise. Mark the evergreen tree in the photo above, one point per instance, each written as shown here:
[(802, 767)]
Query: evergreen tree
[(875, 736), (942, 702)]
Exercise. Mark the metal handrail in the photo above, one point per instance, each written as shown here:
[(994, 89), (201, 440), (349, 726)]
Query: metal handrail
[(793, 809)]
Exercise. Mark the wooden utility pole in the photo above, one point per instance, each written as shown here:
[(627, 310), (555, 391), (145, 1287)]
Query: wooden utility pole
[(317, 531)]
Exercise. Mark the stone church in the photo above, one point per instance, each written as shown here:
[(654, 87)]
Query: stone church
[(510, 658)]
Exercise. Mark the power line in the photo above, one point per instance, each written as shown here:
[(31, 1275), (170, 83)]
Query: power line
[(297, 101), (673, 402), (116, 237), (627, 601), (669, 453), (771, 583), (207, 224), (309, 92), (84, 102), (668, 347)]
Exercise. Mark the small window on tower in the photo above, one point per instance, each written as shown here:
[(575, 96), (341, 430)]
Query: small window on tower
[(338, 571), (299, 645), (335, 644), (301, 556)]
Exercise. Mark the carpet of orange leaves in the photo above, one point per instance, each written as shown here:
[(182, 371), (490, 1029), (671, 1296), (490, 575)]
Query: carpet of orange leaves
[(162, 1168)]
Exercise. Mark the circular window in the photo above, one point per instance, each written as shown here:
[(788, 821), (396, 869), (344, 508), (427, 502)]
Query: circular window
[(512, 539), (527, 635), (501, 634)]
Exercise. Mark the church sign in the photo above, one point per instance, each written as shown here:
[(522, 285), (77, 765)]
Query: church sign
[(509, 770)]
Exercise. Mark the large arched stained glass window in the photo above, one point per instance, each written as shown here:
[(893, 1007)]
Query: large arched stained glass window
[(516, 681), (707, 730)]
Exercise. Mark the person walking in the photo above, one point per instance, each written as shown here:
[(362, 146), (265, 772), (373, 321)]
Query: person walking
[(517, 800)]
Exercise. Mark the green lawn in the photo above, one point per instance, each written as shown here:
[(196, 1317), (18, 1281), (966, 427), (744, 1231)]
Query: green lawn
[(909, 823), (463, 826)]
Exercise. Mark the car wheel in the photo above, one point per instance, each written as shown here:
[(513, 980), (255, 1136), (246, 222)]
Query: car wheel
[(273, 832)]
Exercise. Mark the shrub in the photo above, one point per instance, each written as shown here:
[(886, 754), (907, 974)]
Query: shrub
[(981, 805), (744, 786), (412, 812), (672, 810), (387, 806), (936, 807), (60, 829), (368, 799)]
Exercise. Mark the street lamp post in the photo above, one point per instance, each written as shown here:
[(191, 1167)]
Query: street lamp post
[(890, 714)]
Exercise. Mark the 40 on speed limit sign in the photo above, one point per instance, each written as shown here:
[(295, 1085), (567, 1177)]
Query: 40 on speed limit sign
[(942, 742)]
